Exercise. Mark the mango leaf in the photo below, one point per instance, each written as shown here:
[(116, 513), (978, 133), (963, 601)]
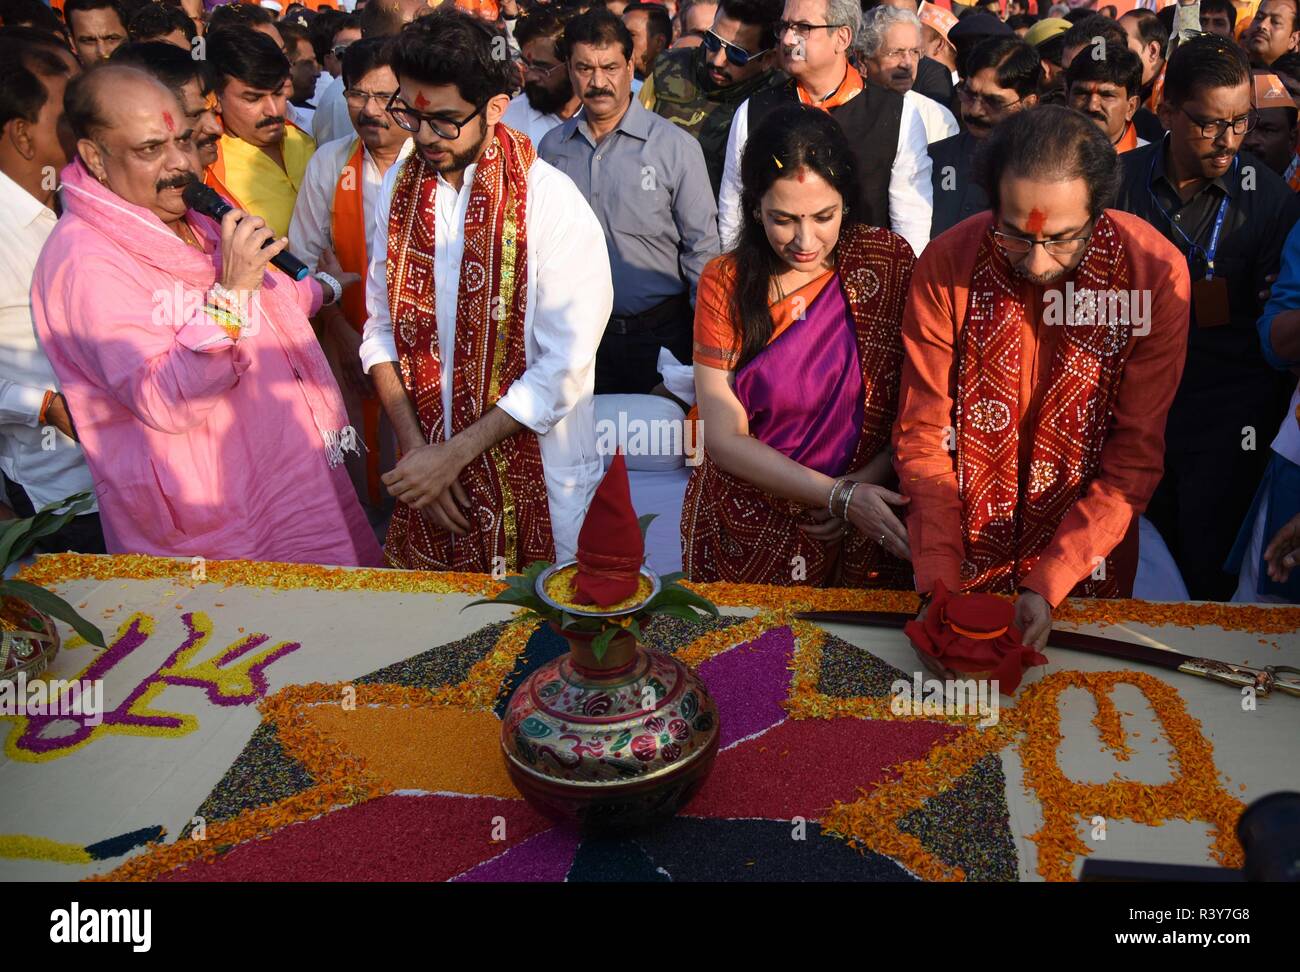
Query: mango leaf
[(644, 523), (600, 644), (635, 629), (667, 580), (19, 538), (677, 611), (54, 606)]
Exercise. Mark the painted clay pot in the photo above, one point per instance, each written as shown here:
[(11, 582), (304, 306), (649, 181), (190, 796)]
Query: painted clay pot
[(615, 744), (29, 640)]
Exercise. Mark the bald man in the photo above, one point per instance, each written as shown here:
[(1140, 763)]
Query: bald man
[(205, 407)]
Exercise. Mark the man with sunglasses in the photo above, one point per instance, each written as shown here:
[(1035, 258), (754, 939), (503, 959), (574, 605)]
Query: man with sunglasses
[(1003, 78), (813, 41), (699, 89), (548, 97), (488, 293), (1034, 392), (335, 213), (1230, 215)]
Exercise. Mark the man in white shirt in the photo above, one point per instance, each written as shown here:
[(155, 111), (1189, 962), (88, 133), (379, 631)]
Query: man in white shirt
[(331, 120), (885, 132), (548, 98), (41, 460), (890, 50), (486, 309), (335, 211)]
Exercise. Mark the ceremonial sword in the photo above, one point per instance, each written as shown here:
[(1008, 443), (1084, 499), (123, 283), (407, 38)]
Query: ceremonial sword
[(1266, 680)]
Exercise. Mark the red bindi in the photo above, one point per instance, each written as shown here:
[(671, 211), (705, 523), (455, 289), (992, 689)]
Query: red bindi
[(801, 175), (1037, 220), (421, 101), (167, 120)]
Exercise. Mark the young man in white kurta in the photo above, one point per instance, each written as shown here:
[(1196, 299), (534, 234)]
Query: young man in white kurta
[(570, 295)]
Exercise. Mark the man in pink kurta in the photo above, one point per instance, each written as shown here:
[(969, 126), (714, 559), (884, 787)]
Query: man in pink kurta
[(200, 442)]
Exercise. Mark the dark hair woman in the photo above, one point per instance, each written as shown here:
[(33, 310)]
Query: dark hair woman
[(797, 360)]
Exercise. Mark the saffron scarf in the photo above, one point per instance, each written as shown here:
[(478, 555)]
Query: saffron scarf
[(1006, 526), (348, 230), (506, 484), (734, 531)]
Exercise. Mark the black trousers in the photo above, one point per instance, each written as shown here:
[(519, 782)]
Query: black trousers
[(629, 363), (82, 534)]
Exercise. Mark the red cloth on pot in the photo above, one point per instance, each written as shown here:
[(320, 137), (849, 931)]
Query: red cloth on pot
[(974, 633), (610, 546)]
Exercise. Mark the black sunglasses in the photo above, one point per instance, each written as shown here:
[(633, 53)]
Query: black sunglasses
[(738, 56), (410, 120)]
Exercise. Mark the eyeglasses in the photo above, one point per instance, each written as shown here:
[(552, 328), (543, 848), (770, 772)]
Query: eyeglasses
[(989, 102), (738, 56), (359, 99), (1241, 125), (801, 28), (339, 51), (410, 120), (902, 53), (531, 68), (1054, 248)]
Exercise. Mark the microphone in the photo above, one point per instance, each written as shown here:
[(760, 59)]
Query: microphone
[(206, 200)]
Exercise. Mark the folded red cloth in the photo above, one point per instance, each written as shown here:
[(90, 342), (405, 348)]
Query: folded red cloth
[(610, 546), (974, 634)]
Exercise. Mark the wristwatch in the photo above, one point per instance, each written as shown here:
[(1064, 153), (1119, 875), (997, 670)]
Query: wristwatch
[(334, 287)]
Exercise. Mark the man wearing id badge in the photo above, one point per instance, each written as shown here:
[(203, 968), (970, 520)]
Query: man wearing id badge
[(1229, 214)]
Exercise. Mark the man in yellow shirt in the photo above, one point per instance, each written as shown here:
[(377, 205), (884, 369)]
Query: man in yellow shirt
[(263, 157)]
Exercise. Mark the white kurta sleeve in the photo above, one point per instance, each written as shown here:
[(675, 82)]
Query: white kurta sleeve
[(911, 196), (377, 344), (729, 190), (574, 295), (312, 222)]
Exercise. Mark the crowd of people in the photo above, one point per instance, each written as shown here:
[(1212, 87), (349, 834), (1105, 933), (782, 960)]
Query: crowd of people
[(953, 294)]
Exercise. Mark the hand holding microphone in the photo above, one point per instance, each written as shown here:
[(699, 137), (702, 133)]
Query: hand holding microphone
[(237, 231)]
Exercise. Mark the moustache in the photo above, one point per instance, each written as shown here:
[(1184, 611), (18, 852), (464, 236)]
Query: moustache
[(598, 93), (364, 122), (268, 122), (207, 140), (175, 182)]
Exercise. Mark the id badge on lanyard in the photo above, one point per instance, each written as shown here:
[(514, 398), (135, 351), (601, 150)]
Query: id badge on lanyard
[(1210, 293)]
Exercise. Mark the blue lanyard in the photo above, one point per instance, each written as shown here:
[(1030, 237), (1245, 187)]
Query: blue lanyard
[(1213, 248)]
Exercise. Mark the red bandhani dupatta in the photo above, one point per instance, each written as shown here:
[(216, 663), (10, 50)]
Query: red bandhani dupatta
[(733, 531), (1009, 515), (506, 484)]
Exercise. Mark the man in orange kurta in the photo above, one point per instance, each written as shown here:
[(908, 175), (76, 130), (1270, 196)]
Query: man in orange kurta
[(1033, 486)]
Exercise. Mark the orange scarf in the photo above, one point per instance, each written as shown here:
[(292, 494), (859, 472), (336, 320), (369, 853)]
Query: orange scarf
[(1128, 141), (215, 176), (849, 89), (348, 230)]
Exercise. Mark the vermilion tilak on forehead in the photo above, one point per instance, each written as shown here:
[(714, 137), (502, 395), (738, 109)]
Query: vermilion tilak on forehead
[(167, 120), (1036, 221), (421, 102)]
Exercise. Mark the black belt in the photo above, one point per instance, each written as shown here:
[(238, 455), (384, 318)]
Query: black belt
[(675, 308)]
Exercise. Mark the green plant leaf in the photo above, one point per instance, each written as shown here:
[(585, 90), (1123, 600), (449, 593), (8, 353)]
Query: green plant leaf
[(667, 580), (644, 523), (18, 538), (54, 606), (678, 611), (600, 644), (635, 629)]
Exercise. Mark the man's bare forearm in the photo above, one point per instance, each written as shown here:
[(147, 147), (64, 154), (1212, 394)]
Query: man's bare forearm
[(397, 403), (495, 425)]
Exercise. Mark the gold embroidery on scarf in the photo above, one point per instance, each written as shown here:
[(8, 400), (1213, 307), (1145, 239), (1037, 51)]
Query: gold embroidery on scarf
[(509, 521)]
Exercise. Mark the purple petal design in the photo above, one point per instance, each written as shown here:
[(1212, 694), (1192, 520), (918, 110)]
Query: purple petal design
[(749, 682), (544, 857)]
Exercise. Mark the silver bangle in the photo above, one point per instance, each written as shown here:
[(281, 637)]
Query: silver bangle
[(848, 498), (335, 287)]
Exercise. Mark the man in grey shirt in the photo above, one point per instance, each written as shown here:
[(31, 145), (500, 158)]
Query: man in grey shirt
[(647, 183)]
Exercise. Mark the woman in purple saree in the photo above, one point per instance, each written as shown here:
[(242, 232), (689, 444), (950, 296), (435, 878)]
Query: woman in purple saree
[(797, 361)]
